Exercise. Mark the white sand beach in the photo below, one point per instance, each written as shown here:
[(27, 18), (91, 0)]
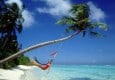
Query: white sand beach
[(60, 72), (18, 73)]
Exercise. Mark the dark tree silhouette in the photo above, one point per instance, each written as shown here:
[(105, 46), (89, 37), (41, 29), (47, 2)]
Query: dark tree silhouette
[(10, 24)]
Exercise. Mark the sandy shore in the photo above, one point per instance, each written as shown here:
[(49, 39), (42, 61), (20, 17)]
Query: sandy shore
[(18, 73)]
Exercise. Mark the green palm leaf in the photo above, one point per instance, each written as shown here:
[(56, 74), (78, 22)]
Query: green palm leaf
[(100, 25), (67, 20), (95, 34), (103, 26)]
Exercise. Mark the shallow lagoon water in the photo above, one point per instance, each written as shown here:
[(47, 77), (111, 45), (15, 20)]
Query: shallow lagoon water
[(76, 72)]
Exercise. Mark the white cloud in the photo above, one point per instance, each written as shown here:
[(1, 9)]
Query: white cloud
[(96, 13), (18, 2), (56, 7), (28, 16)]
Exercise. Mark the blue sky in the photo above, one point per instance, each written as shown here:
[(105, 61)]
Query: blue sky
[(40, 25)]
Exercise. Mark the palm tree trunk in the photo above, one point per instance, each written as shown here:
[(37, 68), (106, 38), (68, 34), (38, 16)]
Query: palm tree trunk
[(37, 46)]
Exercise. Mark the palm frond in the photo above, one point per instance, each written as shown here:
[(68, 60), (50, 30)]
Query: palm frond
[(19, 28), (103, 26), (95, 34), (100, 25), (70, 28), (84, 33), (80, 11), (67, 20)]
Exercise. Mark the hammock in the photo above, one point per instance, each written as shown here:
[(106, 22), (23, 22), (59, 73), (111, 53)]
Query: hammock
[(47, 65), (53, 55)]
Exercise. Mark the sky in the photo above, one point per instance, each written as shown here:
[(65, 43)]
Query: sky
[(40, 26)]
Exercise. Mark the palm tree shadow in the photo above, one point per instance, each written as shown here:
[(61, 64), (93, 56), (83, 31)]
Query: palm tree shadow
[(81, 79)]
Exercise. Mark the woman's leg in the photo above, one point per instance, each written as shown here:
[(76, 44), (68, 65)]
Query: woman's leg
[(43, 67)]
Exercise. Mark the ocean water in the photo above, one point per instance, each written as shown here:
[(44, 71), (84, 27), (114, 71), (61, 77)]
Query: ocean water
[(75, 72)]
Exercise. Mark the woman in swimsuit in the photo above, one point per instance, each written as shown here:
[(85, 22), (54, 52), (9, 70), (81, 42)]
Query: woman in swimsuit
[(42, 66)]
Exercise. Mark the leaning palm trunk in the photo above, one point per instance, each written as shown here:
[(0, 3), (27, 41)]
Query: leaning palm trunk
[(37, 46)]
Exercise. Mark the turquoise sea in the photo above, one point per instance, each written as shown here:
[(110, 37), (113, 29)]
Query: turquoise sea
[(76, 72)]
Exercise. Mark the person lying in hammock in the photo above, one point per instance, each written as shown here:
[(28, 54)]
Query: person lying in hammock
[(42, 66)]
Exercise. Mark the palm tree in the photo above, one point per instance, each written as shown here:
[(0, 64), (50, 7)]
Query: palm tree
[(78, 22), (10, 24)]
